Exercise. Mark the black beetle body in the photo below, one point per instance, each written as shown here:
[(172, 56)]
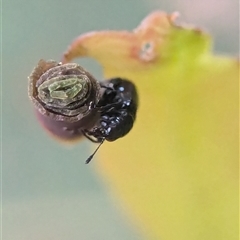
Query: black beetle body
[(118, 107)]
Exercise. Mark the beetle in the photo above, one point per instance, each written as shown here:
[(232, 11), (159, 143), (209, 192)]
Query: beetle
[(118, 107)]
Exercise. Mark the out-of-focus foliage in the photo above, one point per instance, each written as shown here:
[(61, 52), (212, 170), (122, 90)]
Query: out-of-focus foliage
[(177, 171)]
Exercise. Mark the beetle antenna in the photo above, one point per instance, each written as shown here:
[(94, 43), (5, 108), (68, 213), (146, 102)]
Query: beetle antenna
[(92, 155)]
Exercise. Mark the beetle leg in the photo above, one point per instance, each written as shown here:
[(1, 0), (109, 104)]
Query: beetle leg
[(90, 135), (106, 87), (109, 107)]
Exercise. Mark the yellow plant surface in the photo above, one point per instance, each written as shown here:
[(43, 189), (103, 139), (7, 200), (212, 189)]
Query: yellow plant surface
[(176, 172)]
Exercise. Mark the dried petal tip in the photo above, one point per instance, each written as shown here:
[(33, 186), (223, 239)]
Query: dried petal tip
[(63, 95)]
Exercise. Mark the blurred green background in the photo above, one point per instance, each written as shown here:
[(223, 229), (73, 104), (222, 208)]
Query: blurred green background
[(48, 191)]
